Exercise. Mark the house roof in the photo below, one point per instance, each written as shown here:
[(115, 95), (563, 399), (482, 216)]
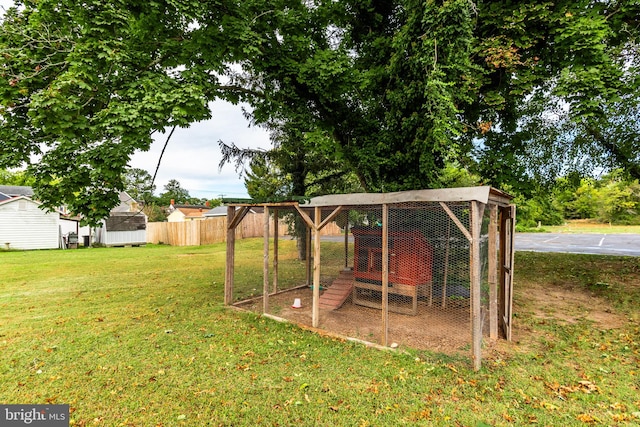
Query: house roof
[(222, 211), (125, 221), (16, 190), (217, 211), (126, 202), (191, 211), (15, 199), (4, 196)]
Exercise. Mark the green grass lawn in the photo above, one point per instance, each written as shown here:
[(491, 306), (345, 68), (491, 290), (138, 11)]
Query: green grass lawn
[(139, 337)]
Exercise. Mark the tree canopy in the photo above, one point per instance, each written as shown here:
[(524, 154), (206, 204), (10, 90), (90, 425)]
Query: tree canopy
[(394, 92)]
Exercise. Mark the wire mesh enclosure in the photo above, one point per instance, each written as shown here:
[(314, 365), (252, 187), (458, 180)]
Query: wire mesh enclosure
[(428, 269)]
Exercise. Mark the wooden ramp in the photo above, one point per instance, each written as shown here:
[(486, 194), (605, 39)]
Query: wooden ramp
[(338, 292)]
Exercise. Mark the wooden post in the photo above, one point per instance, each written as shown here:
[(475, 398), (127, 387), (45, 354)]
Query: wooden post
[(385, 275), (346, 241), (509, 303), (315, 319), (477, 209), (265, 268), (275, 250), (505, 289), (492, 274), (231, 247), (308, 254), (446, 267)]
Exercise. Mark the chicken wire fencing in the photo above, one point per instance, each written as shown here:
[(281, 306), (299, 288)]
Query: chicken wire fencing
[(421, 297)]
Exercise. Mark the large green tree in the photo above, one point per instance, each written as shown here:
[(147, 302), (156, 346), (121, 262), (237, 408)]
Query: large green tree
[(85, 84), (399, 90), (408, 87)]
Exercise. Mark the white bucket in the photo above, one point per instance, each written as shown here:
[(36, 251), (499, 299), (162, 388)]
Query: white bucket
[(296, 303)]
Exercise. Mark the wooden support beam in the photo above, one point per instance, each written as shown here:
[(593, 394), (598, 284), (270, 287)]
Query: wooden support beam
[(445, 273), (315, 318), (306, 218), (505, 289), (509, 303), (346, 241), (477, 210), (492, 274), (330, 218), (385, 276), (455, 219), (265, 264), (238, 217), (308, 256), (276, 231), (230, 263)]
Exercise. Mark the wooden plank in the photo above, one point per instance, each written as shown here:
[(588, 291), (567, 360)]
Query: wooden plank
[(230, 263), (455, 219), (265, 266), (512, 223), (330, 218), (238, 217), (446, 268), (346, 241), (385, 275), (475, 278), (460, 194), (492, 274), (308, 266), (275, 250), (315, 317), (307, 219)]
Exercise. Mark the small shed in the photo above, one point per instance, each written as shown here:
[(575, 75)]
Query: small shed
[(24, 224), (125, 226), (433, 264)]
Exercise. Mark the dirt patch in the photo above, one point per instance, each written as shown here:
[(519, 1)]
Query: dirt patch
[(433, 327), (572, 305)]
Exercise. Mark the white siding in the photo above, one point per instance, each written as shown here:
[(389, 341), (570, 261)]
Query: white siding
[(25, 226), (122, 238), (175, 216)]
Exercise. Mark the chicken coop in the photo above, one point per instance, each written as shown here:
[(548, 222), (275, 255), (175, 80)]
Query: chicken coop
[(425, 269)]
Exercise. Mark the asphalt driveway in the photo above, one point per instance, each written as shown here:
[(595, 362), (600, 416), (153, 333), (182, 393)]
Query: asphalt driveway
[(600, 244)]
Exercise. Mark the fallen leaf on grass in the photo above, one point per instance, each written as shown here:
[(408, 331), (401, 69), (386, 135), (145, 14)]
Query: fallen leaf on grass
[(586, 418), (588, 386)]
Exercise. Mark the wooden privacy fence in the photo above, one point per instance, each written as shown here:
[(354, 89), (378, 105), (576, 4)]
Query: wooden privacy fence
[(214, 230)]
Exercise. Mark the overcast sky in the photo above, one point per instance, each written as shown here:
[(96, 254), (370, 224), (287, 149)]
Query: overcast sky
[(192, 155)]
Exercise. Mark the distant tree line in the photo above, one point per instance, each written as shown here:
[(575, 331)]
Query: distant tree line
[(611, 198)]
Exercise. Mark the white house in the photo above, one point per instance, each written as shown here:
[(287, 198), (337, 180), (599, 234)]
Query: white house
[(182, 213), (24, 224)]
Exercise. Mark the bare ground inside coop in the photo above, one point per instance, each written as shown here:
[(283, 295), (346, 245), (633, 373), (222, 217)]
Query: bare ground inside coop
[(432, 328)]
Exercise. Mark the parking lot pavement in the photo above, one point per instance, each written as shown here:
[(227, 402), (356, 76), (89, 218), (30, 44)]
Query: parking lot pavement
[(600, 244)]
